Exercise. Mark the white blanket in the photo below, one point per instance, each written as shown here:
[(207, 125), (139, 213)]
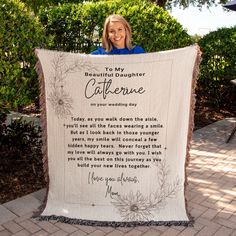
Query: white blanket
[(117, 136)]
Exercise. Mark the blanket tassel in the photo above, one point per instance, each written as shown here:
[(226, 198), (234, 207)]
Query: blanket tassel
[(115, 224)]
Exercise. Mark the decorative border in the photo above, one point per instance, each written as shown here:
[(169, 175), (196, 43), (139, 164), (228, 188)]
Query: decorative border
[(60, 100), (137, 207)]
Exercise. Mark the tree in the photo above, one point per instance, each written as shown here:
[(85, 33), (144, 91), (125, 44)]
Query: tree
[(37, 4), (218, 68), (168, 4), (20, 34)]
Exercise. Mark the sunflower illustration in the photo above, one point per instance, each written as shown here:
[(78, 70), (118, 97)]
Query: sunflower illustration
[(59, 99), (61, 102), (133, 207)]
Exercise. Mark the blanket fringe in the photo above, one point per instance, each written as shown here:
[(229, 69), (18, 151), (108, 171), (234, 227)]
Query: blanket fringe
[(191, 119), (43, 121), (114, 224)]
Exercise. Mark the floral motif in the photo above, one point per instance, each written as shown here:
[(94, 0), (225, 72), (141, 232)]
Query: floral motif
[(133, 207), (61, 102), (59, 99), (136, 207)]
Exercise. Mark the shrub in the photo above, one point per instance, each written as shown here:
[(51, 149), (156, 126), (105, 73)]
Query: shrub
[(37, 4), (79, 27), (21, 167), (20, 33), (218, 67), (20, 138)]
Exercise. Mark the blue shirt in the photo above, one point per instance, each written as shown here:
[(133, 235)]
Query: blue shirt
[(117, 51)]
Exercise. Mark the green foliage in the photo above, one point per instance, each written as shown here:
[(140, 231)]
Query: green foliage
[(196, 38), (20, 33), (19, 138), (218, 67), (168, 4), (79, 27), (37, 4)]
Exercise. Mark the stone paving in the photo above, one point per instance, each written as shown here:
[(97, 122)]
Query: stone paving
[(211, 196)]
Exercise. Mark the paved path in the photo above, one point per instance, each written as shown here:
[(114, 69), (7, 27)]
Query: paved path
[(211, 195)]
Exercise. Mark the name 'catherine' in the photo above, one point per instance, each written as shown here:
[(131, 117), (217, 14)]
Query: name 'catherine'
[(94, 88)]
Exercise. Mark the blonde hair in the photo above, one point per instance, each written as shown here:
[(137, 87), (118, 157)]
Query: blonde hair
[(106, 42)]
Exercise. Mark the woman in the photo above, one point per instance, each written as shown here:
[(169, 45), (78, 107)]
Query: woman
[(116, 38)]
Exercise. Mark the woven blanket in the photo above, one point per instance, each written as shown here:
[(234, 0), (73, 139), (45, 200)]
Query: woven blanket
[(116, 136)]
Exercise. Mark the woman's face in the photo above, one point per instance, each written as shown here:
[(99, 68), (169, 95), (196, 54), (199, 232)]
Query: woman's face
[(117, 34)]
